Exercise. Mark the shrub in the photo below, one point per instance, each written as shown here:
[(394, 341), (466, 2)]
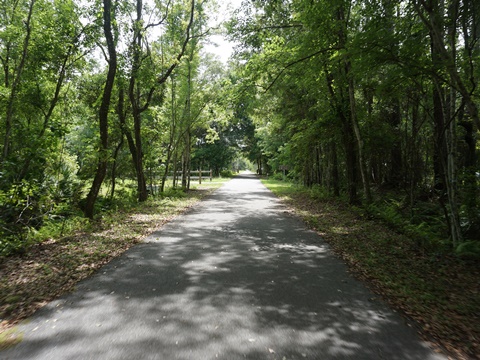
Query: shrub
[(227, 173), (469, 249), (277, 176)]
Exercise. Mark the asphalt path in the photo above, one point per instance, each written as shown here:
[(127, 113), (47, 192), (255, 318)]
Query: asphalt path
[(236, 277)]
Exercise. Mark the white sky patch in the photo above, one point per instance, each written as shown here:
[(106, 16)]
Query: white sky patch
[(218, 44)]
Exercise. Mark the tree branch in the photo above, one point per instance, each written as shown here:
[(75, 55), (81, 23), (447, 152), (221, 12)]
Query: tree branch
[(273, 27), (160, 22), (172, 67), (298, 61)]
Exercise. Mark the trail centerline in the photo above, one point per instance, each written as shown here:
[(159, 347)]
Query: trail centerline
[(234, 278)]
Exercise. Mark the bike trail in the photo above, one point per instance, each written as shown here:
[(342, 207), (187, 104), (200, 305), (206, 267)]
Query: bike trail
[(236, 277)]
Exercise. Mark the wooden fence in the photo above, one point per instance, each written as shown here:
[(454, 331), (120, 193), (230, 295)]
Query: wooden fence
[(200, 175), (195, 175)]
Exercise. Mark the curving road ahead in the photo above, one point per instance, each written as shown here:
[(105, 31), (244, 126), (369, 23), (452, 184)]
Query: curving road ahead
[(235, 278)]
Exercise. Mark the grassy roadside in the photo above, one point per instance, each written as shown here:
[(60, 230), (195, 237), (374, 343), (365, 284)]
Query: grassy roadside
[(440, 292), (52, 268)]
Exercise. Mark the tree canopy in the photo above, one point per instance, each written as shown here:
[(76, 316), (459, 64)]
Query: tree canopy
[(375, 102)]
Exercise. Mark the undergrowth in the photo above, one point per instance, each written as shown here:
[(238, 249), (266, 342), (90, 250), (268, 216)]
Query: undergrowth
[(65, 219)]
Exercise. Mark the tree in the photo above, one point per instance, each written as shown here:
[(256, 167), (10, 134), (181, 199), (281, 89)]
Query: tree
[(141, 98), (104, 110), (42, 46), (12, 79), (359, 91)]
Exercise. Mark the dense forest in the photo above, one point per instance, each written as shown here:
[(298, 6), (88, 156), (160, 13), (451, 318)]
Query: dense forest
[(373, 102), (102, 100)]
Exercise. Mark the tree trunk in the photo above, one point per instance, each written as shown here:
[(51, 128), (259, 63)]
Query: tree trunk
[(135, 98), (114, 166), (471, 35), (172, 136), (439, 152), (445, 149), (395, 176), (452, 179), (415, 175), (186, 163), (358, 136), (351, 161), (339, 106), (335, 176), (188, 122), (141, 182), (451, 130), (175, 169), (103, 111)]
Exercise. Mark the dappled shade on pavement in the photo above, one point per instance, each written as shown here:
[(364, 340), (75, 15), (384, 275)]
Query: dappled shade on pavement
[(235, 278)]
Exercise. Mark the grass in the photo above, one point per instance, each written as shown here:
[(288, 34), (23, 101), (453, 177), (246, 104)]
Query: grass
[(439, 291), (52, 268), (10, 338)]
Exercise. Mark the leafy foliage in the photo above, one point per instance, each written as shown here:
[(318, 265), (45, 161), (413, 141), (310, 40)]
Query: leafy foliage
[(56, 58), (369, 100)]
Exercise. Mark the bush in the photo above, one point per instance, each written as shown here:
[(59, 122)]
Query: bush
[(422, 223), (277, 176), (26, 206), (318, 192), (469, 250), (173, 193), (22, 208), (227, 173)]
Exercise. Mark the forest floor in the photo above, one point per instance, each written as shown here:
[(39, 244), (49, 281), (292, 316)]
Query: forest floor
[(439, 291), (45, 271)]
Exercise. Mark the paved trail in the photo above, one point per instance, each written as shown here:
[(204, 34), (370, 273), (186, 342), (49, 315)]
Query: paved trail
[(235, 278)]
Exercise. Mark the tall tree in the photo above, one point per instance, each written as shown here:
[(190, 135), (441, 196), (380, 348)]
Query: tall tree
[(397, 79), (104, 110), (141, 98)]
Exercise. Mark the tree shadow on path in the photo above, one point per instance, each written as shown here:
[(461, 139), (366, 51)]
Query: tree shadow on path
[(235, 278)]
